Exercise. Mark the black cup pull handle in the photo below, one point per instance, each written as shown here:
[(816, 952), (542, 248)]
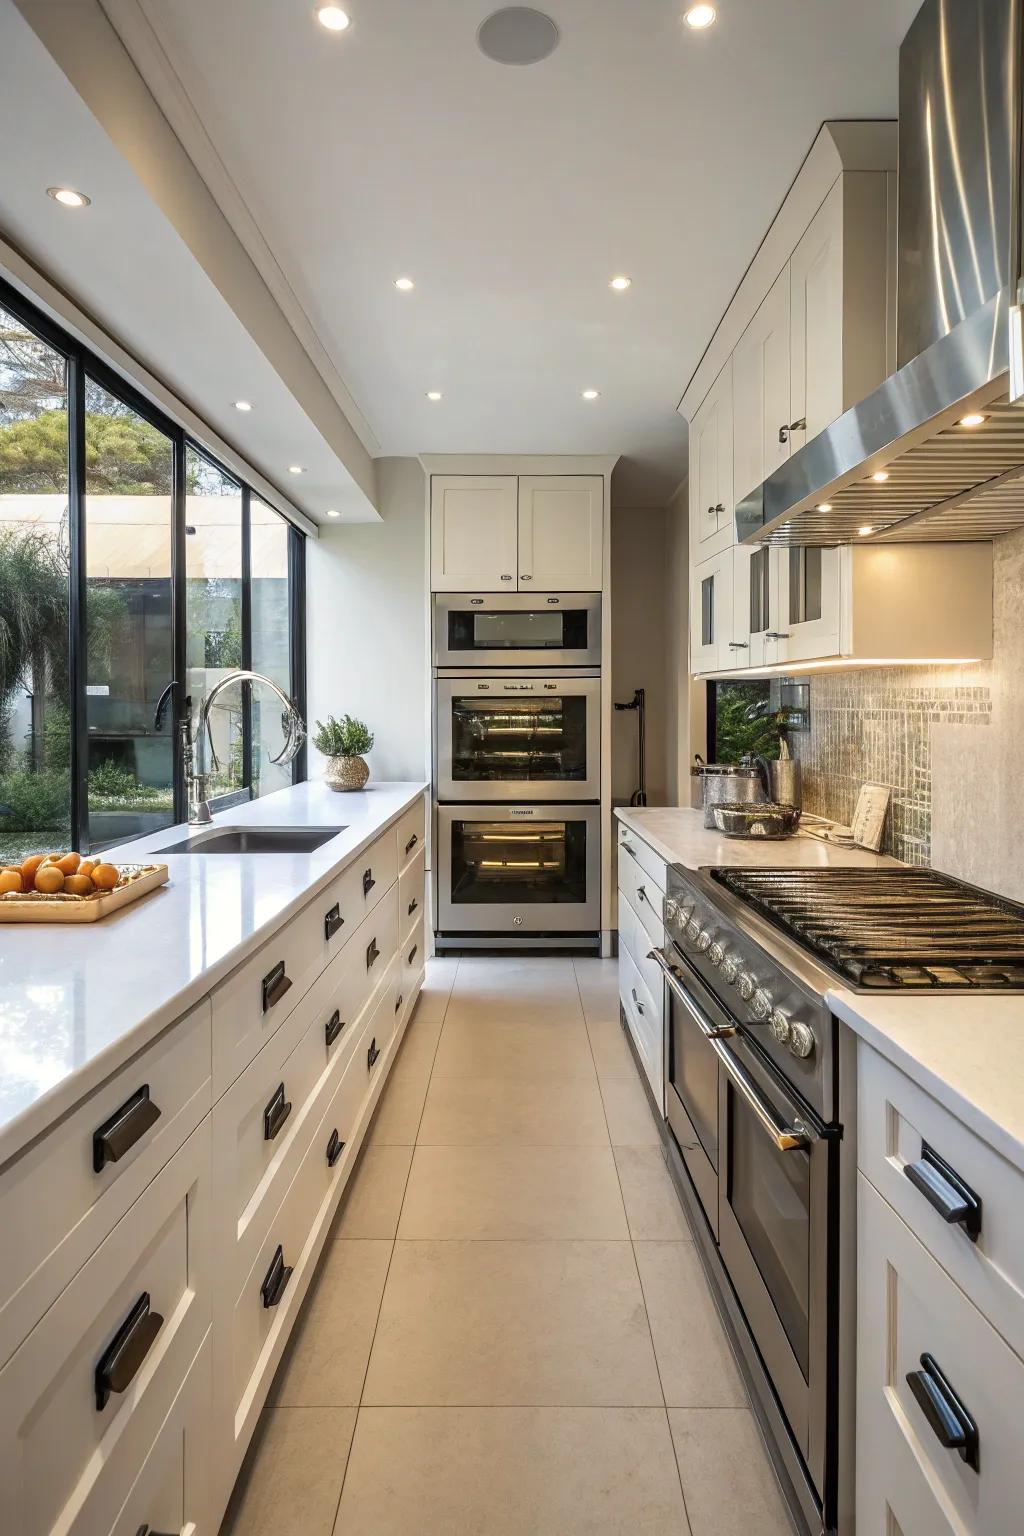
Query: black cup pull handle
[(275, 1114), (126, 1126), (275, 984), (412, 954), (335, 1147), (372, 954), (641, 893), (944, 1189), (276, 1282), (411, 844), (372, 1054), (333, 922), (368, 881), (953, 1426), (412, 907), (399, 1001), (333, 1028), (119, 1362)]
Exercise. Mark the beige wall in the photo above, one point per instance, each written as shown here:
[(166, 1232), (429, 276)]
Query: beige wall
[(638, 646), (677, 649), (367, 624)]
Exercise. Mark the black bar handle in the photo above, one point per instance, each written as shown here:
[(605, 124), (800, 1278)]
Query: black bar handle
[(412, 954), (276, 1282), (119, 1362), (411, 844), (275, 1114), (333, 1028), (275, 984), (641, 893), (372, 954), (368, 881), (372, 1054), (412, 907), (126, 1126), (335, 1147), (333, 922), (399, 1001), (953, 1426), (946, 1191)]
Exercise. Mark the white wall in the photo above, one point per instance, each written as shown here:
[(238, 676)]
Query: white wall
[(638, 646), (367, 625), (678, 688)]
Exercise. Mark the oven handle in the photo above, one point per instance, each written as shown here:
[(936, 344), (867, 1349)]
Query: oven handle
[(786, 1138)]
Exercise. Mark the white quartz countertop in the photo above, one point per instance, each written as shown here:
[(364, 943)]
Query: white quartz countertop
[(679, 835), (78, 1001)]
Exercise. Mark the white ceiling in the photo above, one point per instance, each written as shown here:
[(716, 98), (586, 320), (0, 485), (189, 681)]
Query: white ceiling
[(512, 195)]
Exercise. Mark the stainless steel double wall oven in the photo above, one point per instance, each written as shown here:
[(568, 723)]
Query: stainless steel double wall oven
[(517, 772)]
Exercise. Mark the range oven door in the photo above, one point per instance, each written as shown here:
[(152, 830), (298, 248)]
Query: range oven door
[(518, 738), (517, 629), (762, 1163), (519, 869)]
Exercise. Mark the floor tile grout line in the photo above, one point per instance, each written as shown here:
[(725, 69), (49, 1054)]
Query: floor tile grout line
[(679, 1470)]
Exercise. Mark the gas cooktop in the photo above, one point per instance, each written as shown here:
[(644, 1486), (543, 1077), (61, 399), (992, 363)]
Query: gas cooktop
[(889, 929)]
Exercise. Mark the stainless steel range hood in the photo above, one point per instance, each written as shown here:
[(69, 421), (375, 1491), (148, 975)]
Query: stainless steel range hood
[(958, 316)]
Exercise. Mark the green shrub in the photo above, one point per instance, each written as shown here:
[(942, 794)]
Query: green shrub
[(342, 738), (35, 802)]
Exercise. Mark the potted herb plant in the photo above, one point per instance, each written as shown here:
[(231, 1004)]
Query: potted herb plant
[(343, 742)]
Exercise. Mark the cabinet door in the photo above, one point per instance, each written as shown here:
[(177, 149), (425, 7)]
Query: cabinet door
[(816, 322), (711, 450), (473, 533), (711, 599), (760, 373), (561, 533), (755, 608), (810, 605)]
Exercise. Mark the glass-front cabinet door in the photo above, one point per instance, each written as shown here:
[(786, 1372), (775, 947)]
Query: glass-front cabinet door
[(520, 869), (535, 738)]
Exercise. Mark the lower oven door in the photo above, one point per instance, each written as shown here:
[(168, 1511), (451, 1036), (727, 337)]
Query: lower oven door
[(518, 869)]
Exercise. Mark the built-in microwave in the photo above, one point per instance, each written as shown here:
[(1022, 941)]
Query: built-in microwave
[(517, 629)]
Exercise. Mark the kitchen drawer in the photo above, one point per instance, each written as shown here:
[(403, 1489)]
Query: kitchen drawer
[(296, 1067), (58, 1207), (411, 892), (411, 961), (342, 908), (384, 1021), (378, 869), (635, 937), (171, 1493), (908, 1307), (636, 851), (643, 1016), (411, 832), (65, 1413), (643, 895), (895, 1117)]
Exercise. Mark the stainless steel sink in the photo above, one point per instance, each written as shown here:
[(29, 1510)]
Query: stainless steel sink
[(254, 840)]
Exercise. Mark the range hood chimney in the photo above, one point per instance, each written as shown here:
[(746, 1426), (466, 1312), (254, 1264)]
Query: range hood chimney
[(958, 315)]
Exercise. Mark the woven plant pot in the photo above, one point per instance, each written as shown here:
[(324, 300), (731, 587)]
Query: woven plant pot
[(346, 772)]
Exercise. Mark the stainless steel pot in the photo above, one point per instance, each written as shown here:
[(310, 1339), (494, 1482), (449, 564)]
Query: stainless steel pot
[(728, 783), (769, 822)]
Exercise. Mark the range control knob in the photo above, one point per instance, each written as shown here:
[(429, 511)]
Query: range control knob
[(747, 986), (761, 1006), (716, 954), (671, 910), (730, 968), (693, 929), (704, 941), (780, 1026), (801, 1040)]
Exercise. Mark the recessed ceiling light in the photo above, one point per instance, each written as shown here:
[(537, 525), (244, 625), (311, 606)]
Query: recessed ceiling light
[(972, 419), (332, 17), (243, 405), (591, 394), (296, 469), (404, 284), (700, 16), (433, 394), (68, 197), (332, 512), (865, 530), (880, 476), (823, 506), (620, 284)]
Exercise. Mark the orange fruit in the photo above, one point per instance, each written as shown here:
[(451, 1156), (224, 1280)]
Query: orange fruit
[(69, 863), (106, 876), (49, 879), (28, 869), (87, 866), (10, 880), (78, 885)]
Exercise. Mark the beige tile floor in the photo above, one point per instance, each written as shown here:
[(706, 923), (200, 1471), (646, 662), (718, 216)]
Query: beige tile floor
[(510, 1333)]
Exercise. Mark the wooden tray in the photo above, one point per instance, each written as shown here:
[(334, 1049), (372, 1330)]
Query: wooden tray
[(36, 907)]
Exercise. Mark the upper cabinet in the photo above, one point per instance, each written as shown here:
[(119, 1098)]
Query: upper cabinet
[(761, 389), (474, 533), (711, 474), (509, 533)]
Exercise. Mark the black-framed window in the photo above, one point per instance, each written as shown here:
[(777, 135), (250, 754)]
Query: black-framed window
[(132, 564)]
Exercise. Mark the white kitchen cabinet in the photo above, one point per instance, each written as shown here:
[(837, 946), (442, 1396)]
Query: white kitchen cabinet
[(711, 601), (561, 533), (474, 533), (761, 391), (712, 527), (809, 615)]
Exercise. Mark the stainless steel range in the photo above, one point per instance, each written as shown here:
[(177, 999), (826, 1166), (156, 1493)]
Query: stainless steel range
[(760, 1094)]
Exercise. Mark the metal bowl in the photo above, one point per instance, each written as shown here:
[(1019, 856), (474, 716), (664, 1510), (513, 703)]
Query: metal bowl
[(770, 822)]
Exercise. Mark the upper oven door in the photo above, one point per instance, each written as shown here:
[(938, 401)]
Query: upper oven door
[(518, 738), (517, 629)]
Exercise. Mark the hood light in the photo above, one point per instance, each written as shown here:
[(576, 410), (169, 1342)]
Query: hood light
[(865, 530), (972, 419), (823, 506), (880, 476)]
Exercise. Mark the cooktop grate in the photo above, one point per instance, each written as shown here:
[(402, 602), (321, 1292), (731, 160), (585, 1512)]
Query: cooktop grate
[(892, 928)]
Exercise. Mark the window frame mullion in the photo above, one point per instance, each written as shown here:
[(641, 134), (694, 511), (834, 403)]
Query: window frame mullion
[(78, 642)]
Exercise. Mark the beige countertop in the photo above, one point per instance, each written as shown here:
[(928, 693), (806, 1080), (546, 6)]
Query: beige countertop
[(679, 835)]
